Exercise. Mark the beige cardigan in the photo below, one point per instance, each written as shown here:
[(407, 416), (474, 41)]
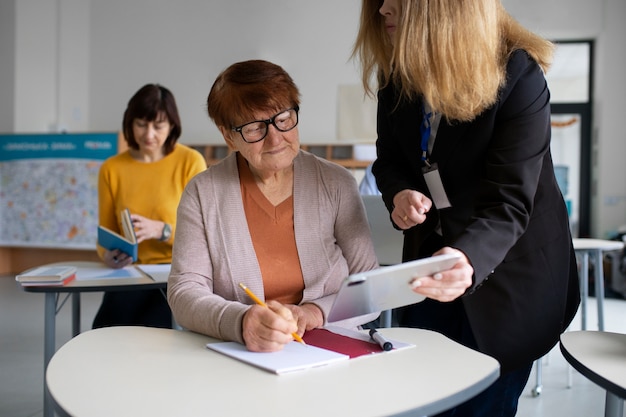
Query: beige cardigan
[(213, 251)]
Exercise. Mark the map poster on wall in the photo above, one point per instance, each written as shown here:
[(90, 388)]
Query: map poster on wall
[(49, 188)]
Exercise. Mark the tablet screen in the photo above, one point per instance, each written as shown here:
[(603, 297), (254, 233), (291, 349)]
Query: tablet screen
[(385, 288)]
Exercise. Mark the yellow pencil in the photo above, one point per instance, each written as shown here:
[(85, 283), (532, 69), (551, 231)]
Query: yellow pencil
[(261, 303)]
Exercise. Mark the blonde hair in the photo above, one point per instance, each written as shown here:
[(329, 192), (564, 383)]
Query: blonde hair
[(452, 52)]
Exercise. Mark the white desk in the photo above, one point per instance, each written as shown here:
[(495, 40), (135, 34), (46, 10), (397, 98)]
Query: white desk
[(601, 357), (140, 371), (53, 304), (594, 248)]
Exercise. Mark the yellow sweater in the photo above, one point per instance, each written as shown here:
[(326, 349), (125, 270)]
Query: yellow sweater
[(152, 190)]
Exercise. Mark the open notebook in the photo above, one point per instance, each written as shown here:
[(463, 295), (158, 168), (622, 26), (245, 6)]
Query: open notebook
[(324, 347), (294, 357)]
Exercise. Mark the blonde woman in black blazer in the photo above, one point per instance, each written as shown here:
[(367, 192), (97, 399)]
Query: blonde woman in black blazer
[(464, 165)]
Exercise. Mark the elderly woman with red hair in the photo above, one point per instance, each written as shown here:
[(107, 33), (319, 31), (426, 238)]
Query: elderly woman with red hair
[(287, 224)]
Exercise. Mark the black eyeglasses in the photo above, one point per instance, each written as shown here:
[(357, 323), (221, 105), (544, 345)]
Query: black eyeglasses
[(257, 130)]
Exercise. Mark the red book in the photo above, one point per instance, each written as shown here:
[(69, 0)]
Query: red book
[(350, 346)]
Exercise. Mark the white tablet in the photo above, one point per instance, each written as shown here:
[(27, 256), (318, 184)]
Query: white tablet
[(385, 288)]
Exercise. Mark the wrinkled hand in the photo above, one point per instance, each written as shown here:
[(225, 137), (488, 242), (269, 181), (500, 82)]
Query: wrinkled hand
[(268, 329), (146, 228), (308, 316), (116, 259), (410, 208), (447, 285)]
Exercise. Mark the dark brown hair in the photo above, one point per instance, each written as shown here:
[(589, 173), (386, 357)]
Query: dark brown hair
[(149, 103), (247, 87)]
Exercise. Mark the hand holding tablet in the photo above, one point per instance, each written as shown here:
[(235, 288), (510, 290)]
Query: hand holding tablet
[(385, 288), (448, 286)]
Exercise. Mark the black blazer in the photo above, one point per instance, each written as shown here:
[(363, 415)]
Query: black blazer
[(508, 215)]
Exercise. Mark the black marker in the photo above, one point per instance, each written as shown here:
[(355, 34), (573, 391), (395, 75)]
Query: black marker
[(385, 344)]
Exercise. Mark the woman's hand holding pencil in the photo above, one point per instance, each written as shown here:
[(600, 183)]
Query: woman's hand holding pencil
[(270, 327)]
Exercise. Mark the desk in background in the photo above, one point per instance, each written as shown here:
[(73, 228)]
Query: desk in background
[(594, 249), (53, 303), (131, 371)]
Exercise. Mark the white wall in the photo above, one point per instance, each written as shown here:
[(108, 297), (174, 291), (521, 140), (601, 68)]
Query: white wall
[(77, 62), (558, 19), (35, 84), (185, 44), (602, 21), (7, 61), (609, 162)]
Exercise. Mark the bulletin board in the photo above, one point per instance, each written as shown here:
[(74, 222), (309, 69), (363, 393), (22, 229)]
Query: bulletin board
[(49, 188)]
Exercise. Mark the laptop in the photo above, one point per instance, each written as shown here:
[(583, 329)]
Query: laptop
[(387, 240), (385, 288)]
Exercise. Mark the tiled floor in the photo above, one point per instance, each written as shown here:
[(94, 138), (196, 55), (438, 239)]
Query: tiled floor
[(21, 358)]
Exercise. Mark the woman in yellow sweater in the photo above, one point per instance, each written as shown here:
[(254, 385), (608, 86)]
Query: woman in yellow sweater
[(148, 179)]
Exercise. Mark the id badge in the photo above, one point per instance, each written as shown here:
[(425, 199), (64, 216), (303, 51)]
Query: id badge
[(435, 186)]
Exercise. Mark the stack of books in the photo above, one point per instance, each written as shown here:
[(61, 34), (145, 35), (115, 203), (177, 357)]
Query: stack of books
[(48, 276)]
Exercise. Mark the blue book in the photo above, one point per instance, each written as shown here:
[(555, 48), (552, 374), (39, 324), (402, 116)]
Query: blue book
[(110, 240)]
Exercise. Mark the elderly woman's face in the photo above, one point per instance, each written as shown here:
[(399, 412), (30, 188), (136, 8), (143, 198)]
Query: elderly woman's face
[(276, 150)]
